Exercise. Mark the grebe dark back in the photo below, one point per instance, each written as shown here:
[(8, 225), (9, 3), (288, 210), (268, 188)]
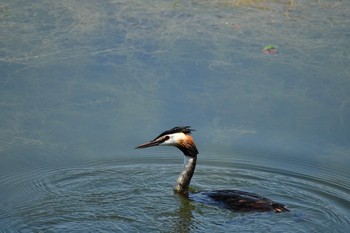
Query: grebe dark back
[(230, 199)]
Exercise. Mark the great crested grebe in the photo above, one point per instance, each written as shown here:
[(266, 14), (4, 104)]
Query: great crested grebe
[(230, 199)]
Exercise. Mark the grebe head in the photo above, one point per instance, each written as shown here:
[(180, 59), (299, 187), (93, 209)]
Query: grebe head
[(179, 137)]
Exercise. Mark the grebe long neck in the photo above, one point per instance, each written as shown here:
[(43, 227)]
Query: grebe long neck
[(184, 179)]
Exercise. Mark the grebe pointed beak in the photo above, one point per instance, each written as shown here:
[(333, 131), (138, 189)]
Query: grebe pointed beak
[(148, 144), (155, 142)]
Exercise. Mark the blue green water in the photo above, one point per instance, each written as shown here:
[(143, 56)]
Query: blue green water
[(83, 83)]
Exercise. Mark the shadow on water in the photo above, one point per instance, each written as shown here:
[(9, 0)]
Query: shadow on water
[(83, 83)]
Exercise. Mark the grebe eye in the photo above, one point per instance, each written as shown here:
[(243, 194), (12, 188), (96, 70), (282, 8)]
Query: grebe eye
[(166, 138)]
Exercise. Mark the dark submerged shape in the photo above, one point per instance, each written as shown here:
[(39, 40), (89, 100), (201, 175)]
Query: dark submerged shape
[(230, 199)]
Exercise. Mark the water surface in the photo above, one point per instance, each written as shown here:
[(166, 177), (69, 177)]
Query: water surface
[(83, 83)]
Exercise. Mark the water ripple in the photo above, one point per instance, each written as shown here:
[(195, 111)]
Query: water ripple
[(313, 193), (138, 196)]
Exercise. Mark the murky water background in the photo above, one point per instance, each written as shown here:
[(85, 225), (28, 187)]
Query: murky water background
[(83, 83)]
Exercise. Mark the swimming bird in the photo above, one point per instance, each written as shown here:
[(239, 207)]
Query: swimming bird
[(230, 199)]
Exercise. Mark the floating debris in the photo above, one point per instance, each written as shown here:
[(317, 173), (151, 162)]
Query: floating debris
[(269, 49)]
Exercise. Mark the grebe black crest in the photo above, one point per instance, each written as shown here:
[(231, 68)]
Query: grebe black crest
[(230, 199)]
